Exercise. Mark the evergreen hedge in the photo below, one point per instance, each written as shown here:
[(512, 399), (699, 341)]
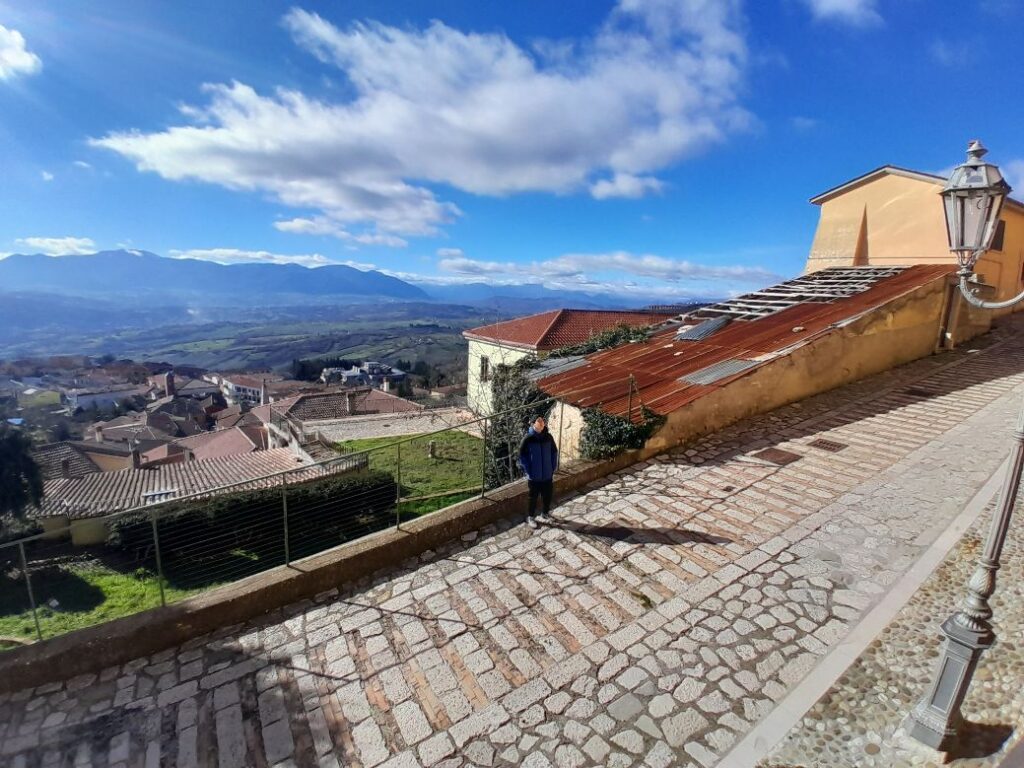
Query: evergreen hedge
[(234, 534)]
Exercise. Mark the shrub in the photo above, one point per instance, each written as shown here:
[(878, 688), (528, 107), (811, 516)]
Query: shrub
[(613, 337), (605, 435), (233, 534)]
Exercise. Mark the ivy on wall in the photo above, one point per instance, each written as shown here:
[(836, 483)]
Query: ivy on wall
[(613, 337), (512, 394), (605, 435), (512, 391)]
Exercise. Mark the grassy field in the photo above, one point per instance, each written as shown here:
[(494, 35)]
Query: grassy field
[(76, 588), (39, 398), (453, 474), (86, 593)]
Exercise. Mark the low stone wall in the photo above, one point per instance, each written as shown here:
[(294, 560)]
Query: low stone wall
[(121, 640), (390, 424)]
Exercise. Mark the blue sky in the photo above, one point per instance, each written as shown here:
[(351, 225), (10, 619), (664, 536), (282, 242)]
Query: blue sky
[(659, 147)]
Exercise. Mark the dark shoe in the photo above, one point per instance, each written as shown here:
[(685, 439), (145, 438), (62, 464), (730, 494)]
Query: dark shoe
[(532, 522), (546, 515)]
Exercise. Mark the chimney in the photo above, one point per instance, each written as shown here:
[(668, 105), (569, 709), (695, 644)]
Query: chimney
[(169, 389), (263, 393), (98, 433), (65, 467), (386, 386), (136, 458)]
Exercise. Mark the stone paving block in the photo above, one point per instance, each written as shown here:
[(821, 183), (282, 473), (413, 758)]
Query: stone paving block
[(754, 617), (231, 748), (435, 749), (369, 743)]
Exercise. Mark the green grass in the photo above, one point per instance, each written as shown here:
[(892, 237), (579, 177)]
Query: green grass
[(39, 398), (86, 593), (95, 585), (410, 509), (454, 471)]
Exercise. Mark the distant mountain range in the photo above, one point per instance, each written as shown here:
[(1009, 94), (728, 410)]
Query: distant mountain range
[(138, 304), (143, 277), (145, 280)]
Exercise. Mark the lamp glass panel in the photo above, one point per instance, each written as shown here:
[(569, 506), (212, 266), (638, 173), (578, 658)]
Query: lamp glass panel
[(995, 206), (954, 230), (975, 218)]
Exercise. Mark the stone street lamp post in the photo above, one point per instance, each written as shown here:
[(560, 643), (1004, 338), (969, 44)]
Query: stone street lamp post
[(973, 198)]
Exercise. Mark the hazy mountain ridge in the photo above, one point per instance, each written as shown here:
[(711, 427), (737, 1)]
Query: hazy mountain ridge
[(146, 280), (140, 274)]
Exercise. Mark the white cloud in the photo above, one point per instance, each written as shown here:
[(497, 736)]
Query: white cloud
[(58, 246), (321, 225), (82, 164), (625, 185), (236, 256), (658, 81), (577, 266), (15, 58), (803, 124), (47, 176), (857, 13), (1013, 172), (949, 54), (449, 253)]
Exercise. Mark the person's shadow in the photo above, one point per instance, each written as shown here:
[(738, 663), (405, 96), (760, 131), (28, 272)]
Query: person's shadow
[(642, 535)]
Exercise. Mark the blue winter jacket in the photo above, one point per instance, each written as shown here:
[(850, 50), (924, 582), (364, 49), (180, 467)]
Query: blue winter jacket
[(538, 455)]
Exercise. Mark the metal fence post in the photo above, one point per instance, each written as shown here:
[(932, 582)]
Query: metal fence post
[(398, 484), (483, 463), (561, 423), (629, 411), (159, 562), (28, 585), (284, 513)]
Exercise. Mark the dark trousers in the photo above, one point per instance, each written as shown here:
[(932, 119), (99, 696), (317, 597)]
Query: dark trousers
[(544, 489)]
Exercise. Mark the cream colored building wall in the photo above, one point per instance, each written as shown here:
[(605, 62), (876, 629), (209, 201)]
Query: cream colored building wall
[(478, 393), (82, 532), (108, 463), (895, 220), (55, 527), (565, 423), (86, 532)]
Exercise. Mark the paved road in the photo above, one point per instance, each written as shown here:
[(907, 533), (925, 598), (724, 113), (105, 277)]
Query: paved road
[(667, 609)]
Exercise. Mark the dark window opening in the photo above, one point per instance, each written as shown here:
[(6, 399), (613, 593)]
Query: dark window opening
[(485, 369), (997, 238)]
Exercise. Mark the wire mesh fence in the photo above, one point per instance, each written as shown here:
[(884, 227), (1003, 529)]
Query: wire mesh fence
[(94, 569)]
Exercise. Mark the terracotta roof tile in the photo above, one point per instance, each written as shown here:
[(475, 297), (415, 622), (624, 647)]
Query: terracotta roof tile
[(51, 458), (562, 327), (103, 493), (223, 442)]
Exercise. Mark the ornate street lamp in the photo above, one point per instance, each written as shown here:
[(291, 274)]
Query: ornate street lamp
[(973, 198)]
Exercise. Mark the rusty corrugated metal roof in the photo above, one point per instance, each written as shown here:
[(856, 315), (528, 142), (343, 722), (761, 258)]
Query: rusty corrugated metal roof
[(663, 369)]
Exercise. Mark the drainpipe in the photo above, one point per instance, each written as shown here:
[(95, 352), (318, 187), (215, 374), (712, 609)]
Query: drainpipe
[(948, 318)]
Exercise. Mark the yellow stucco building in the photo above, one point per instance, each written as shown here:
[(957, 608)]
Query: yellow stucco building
[(894, 217)]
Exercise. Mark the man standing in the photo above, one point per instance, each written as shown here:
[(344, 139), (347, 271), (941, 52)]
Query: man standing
[(538, 458)]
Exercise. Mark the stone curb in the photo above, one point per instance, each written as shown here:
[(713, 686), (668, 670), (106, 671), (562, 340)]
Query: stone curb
[(758, 743)]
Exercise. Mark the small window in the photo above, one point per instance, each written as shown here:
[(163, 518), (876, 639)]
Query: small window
[(997, 238), (485, 369)]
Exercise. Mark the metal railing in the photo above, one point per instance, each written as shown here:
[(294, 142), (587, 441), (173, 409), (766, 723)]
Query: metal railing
[(109, 565)]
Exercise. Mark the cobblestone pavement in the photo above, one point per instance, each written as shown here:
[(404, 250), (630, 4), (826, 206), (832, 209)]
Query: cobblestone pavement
[(666, 609), (858, 722)]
